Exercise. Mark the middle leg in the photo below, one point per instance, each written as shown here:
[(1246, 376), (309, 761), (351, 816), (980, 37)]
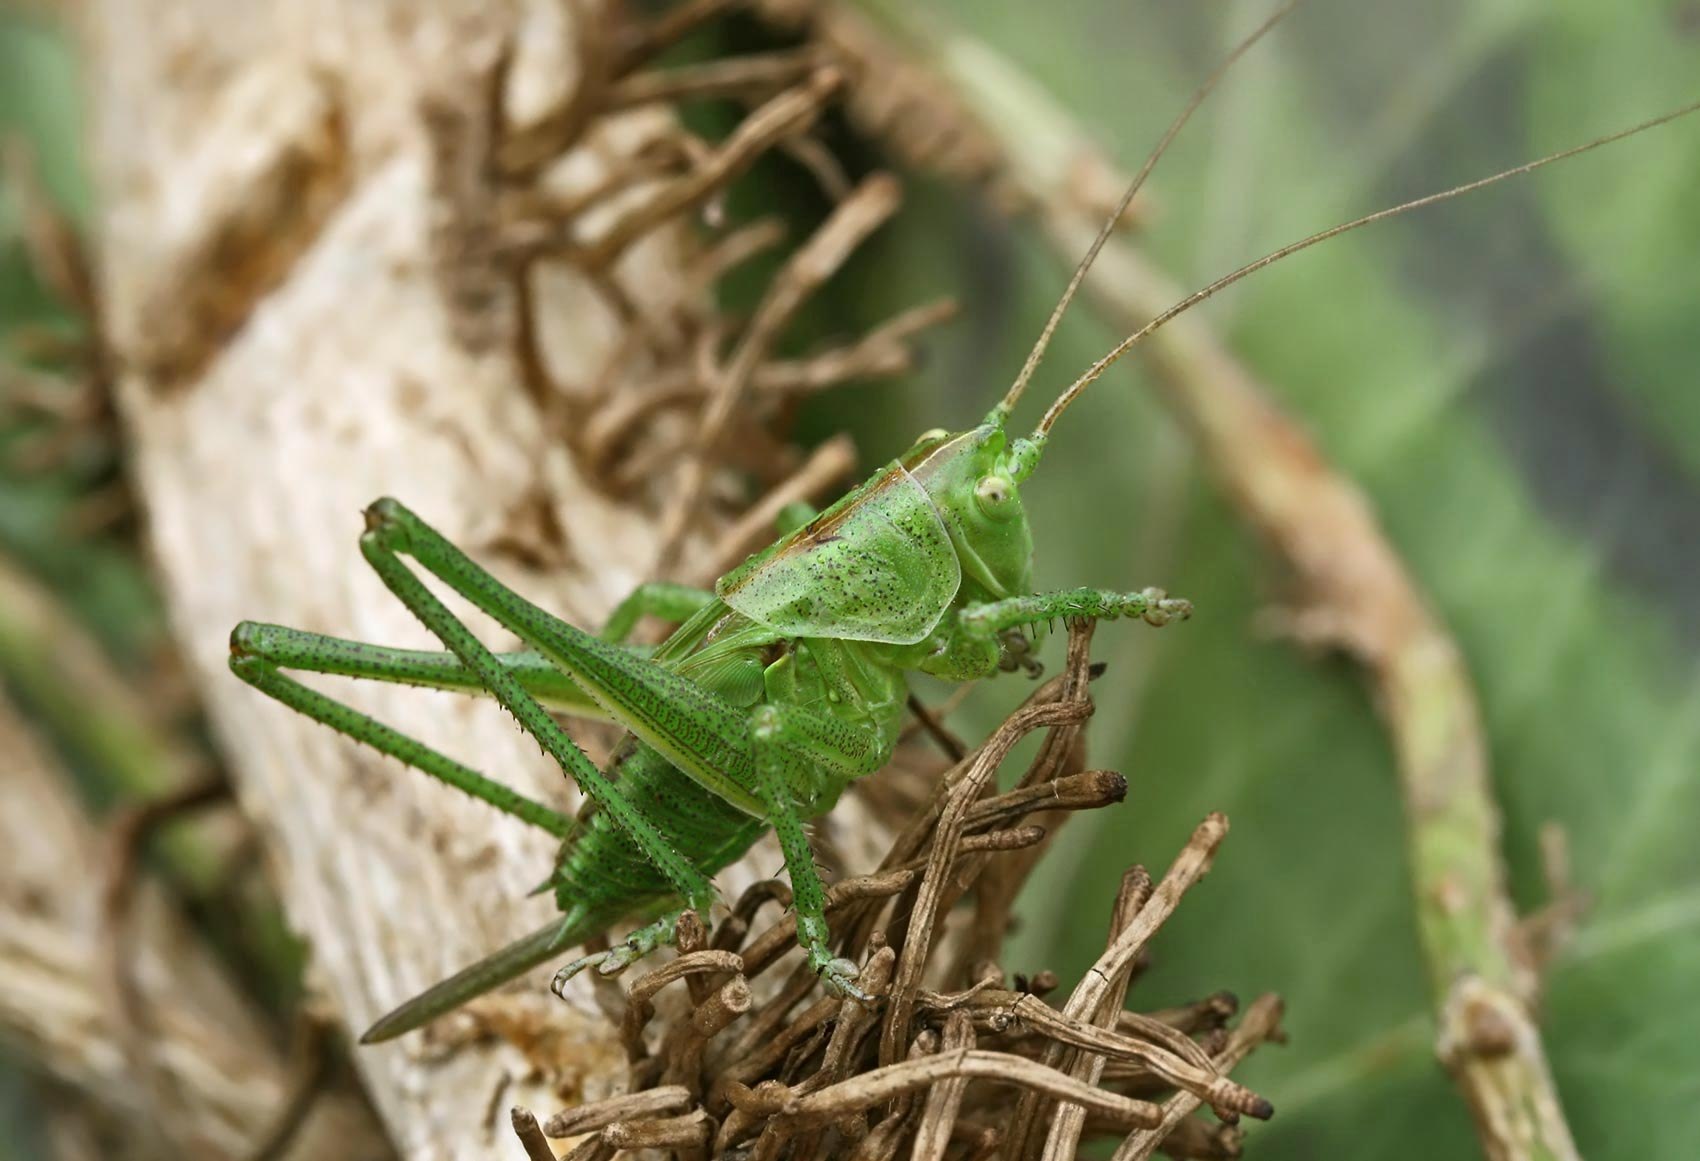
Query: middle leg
[(802, 761)]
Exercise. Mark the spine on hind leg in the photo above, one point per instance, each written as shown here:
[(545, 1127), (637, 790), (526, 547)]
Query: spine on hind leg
[(546, 943)]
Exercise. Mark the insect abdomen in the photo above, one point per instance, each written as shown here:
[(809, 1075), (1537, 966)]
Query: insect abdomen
[(603, 869)]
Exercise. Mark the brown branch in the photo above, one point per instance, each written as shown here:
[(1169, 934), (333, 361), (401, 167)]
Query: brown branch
[(881, 353), (944, 1103), (122, 873), (311, 1065), (1068, 1120), (633, 1106), (638, 1007), (806, 1081), (880, 1085), (613, 415), (525, 151), (531, 1138), (951, 822), (682, 1132), (1262, 1022), (1186, 871), (756, 76), (1101, 980), (853, 1021), (1047, 781), (673, 25), (874, 201), (790, 113), (930, 724)]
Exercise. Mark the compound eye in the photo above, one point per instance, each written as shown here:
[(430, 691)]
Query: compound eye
[(994, 494)]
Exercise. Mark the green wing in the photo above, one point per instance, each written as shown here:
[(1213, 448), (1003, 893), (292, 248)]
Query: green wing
[(876, 566)]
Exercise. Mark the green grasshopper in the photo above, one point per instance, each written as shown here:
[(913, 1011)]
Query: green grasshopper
[(776, 690)]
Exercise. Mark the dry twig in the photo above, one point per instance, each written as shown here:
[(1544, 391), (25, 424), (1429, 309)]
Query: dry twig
[(850, 224), (809, 1081)]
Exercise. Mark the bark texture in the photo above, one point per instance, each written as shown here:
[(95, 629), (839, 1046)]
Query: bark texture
[(213, 1083), (296, 341)]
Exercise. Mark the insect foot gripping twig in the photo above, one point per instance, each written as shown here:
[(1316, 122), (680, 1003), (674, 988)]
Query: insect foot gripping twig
[(754, 1062)]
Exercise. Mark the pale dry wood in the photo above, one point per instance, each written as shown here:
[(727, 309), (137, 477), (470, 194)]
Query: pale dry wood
[(214, 1083), (318, 371)]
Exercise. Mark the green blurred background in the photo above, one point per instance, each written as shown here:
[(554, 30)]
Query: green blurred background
[(1512, 379)]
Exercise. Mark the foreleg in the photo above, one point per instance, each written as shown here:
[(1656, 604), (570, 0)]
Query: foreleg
[(1153, 606)]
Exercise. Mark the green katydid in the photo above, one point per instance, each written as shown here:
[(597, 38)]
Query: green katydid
[(776, 690)]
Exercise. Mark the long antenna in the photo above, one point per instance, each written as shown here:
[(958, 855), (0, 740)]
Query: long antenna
[(1096, 369), (1013, 396)]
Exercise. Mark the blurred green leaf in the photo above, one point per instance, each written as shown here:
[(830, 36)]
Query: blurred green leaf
[(39, 98), (100, 579), (1512, 381)]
